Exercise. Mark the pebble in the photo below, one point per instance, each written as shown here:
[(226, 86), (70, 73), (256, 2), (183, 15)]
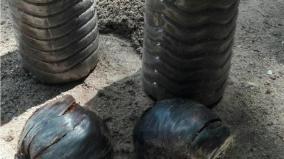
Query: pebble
[(155, 84), (8, 138), (269, 72), (268, 91), (251, 84), (273, 77)]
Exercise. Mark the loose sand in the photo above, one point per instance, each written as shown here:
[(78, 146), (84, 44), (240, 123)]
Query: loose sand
[(253, 105)]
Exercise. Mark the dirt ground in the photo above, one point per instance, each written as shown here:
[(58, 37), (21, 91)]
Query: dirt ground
[(253, 104)]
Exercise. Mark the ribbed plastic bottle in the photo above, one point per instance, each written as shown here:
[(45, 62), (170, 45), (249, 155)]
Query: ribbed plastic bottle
[(188, 48), (58, 39)]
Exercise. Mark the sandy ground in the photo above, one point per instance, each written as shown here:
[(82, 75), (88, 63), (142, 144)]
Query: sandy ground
[(253, 104)]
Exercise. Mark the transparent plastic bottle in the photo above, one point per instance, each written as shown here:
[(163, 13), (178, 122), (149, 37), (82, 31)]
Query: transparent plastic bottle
[(58, 39), (188, 48)]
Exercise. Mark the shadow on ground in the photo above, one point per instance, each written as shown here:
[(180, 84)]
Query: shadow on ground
[(122, 103), (20, 90)]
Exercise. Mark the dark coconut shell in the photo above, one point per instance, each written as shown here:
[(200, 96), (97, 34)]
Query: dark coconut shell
[(64, 130), (180, 129)]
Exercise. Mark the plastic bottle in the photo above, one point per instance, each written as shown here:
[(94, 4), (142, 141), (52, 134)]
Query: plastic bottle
[(188, 48), (58, 39)]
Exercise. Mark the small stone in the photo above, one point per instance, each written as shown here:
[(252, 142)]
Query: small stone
[(268, 91), (3, 22), (130, 82), (123, 44), (101, 94), (273, 77), (270, 123), (251, 84), (155, 84), (269, 72), (8, 138), (253, 149)]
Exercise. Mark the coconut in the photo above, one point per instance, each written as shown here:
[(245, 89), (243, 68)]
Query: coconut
[(180, 129), (65, 130)]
